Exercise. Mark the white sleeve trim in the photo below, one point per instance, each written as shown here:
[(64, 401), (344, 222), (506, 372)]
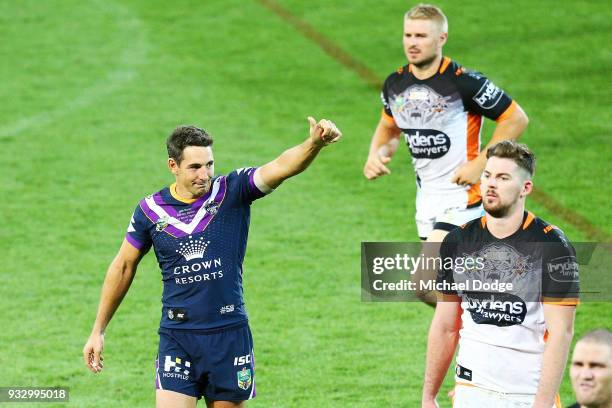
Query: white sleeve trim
[(259, 183)]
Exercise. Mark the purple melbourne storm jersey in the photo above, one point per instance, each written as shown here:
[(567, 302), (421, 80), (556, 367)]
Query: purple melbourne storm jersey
[(200, 247)]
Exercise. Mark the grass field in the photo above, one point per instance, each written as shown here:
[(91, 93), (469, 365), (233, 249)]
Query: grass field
[(90, 90)]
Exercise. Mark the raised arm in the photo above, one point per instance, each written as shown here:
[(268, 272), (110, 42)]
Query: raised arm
[(383, 146), (441, 345), (116, 284), (560, 325), (296, 159)]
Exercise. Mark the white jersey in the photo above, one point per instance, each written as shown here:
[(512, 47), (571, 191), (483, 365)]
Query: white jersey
[(440, 118), (503, 333)]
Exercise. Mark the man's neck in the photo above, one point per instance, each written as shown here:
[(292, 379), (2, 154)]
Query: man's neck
[(181, 194), (508, 225), (429, 70)]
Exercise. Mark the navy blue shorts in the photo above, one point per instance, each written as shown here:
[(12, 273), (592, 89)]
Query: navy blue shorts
[(216, 364)]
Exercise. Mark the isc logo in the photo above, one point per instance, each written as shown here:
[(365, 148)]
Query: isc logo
[(242, 360)]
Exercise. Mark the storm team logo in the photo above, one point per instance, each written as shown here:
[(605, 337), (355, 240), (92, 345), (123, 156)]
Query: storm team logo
[(211, 207)]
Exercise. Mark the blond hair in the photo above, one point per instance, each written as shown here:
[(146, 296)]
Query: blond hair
[(428, 12), (599, 336)]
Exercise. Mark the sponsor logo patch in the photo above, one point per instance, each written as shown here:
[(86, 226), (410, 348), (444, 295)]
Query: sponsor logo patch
[(488, 96), (463, 372), (177, 314), (242, 360), (227, 309), (497, 309), (427, 143), (176, 368), (563, 269), (193, 248)]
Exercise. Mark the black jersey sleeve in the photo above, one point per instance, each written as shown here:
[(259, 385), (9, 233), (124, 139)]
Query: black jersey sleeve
[(445, 278), (384, 96), (560, 279), (481, 96)]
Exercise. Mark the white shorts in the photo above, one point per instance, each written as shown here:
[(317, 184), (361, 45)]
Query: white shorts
[(468, 396), (441, 211)]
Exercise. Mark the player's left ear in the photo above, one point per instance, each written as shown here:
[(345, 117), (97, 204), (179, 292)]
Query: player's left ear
[(443, 38), (527, 188)]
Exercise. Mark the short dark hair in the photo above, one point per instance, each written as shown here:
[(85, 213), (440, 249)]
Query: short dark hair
[(184, 136), (517, 152)]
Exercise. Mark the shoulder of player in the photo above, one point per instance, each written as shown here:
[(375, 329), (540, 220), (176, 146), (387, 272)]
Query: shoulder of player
[(545, 231), (234, 174), (463, 73), (397, 74), (152, 196), (461, 232), (451, 68)]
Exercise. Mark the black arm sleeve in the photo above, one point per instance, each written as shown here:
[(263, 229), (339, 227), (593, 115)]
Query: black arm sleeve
[(482, 96), (560, 279), (384, 97), (448, 251)]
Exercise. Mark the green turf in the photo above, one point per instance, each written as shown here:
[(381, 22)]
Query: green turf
[(92, 88)]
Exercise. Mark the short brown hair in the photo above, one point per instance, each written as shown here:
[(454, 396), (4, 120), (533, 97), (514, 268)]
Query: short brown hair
[(424, 11), (184, 136), (517, 152)]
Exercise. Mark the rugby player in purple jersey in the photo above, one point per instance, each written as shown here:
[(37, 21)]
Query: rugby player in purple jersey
[(198, 229)]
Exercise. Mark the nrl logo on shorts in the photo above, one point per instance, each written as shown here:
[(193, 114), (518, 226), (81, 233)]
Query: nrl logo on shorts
[(161, 224), (212, 208), (244, 378)]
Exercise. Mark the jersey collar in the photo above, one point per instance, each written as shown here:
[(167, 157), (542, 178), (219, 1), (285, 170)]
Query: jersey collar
[(443, 66), (528, 218), (175, 195)]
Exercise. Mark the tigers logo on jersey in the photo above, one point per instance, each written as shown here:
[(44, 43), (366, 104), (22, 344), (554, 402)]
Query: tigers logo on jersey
[(419, 106)]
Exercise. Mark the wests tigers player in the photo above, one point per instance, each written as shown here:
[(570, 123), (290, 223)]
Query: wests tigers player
[(438, 106), (513, 345)]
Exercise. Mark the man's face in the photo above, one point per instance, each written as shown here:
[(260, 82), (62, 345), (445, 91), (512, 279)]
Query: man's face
[(503, 184), (591, 374), (196, 170), (423, 41)]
